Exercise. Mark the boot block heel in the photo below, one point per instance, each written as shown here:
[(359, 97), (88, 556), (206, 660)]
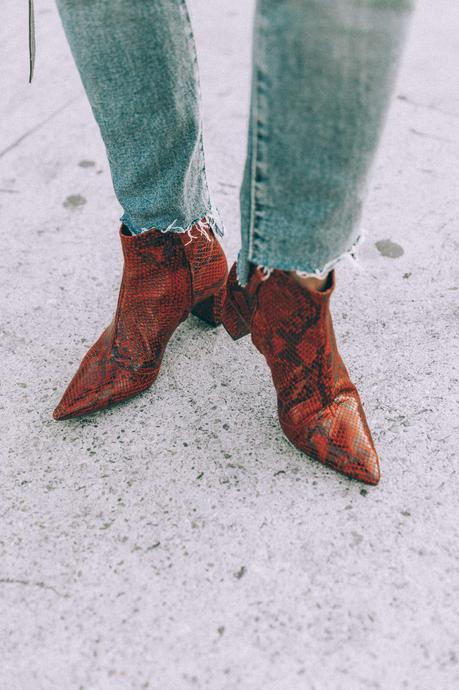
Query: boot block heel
[(210, 309), (233, 320)]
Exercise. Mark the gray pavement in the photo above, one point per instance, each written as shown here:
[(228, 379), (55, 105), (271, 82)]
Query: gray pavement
[(178, 541)]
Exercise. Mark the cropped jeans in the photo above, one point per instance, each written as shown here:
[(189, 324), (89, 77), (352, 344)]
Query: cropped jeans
[(321, 82)]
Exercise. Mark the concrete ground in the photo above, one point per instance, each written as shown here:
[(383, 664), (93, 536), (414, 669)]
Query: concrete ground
[(178, 541)]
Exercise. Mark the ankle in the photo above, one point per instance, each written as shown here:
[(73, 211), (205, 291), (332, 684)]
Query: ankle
[(310, 282)]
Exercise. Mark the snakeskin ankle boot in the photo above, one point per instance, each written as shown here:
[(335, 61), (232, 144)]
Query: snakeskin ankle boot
[(166, 276), (320, 410)]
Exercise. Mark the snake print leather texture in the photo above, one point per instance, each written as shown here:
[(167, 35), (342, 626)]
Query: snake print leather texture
[(165, 277), (319, 408)]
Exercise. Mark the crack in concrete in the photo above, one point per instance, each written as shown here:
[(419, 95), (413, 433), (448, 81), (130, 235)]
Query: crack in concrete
[(426, 106), (432, 136), (41, 124), (30, 583)]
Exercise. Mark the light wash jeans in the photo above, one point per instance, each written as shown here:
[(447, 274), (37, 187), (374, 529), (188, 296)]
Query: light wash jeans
[(322, 77)]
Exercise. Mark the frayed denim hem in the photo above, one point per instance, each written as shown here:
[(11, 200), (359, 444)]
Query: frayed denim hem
[(211, 218), (330, 265), (243, 266)]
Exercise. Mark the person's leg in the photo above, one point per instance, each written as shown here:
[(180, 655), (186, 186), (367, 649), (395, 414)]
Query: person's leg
[(321, 82), (137, 61), (322, 74)]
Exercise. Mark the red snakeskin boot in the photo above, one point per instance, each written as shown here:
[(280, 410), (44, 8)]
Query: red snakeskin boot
[(166, 276), (319, 407)]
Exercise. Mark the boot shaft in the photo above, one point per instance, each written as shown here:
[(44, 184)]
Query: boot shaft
[(292, 327), (191, 263)]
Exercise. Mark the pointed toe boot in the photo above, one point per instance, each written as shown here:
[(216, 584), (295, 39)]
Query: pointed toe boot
[(319, 408), (166, 277)]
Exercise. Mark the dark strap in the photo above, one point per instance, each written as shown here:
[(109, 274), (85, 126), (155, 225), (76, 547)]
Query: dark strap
[(31, 40)]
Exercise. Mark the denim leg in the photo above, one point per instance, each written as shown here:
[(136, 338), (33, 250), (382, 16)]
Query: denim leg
[(138, 64), (322, 76)]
